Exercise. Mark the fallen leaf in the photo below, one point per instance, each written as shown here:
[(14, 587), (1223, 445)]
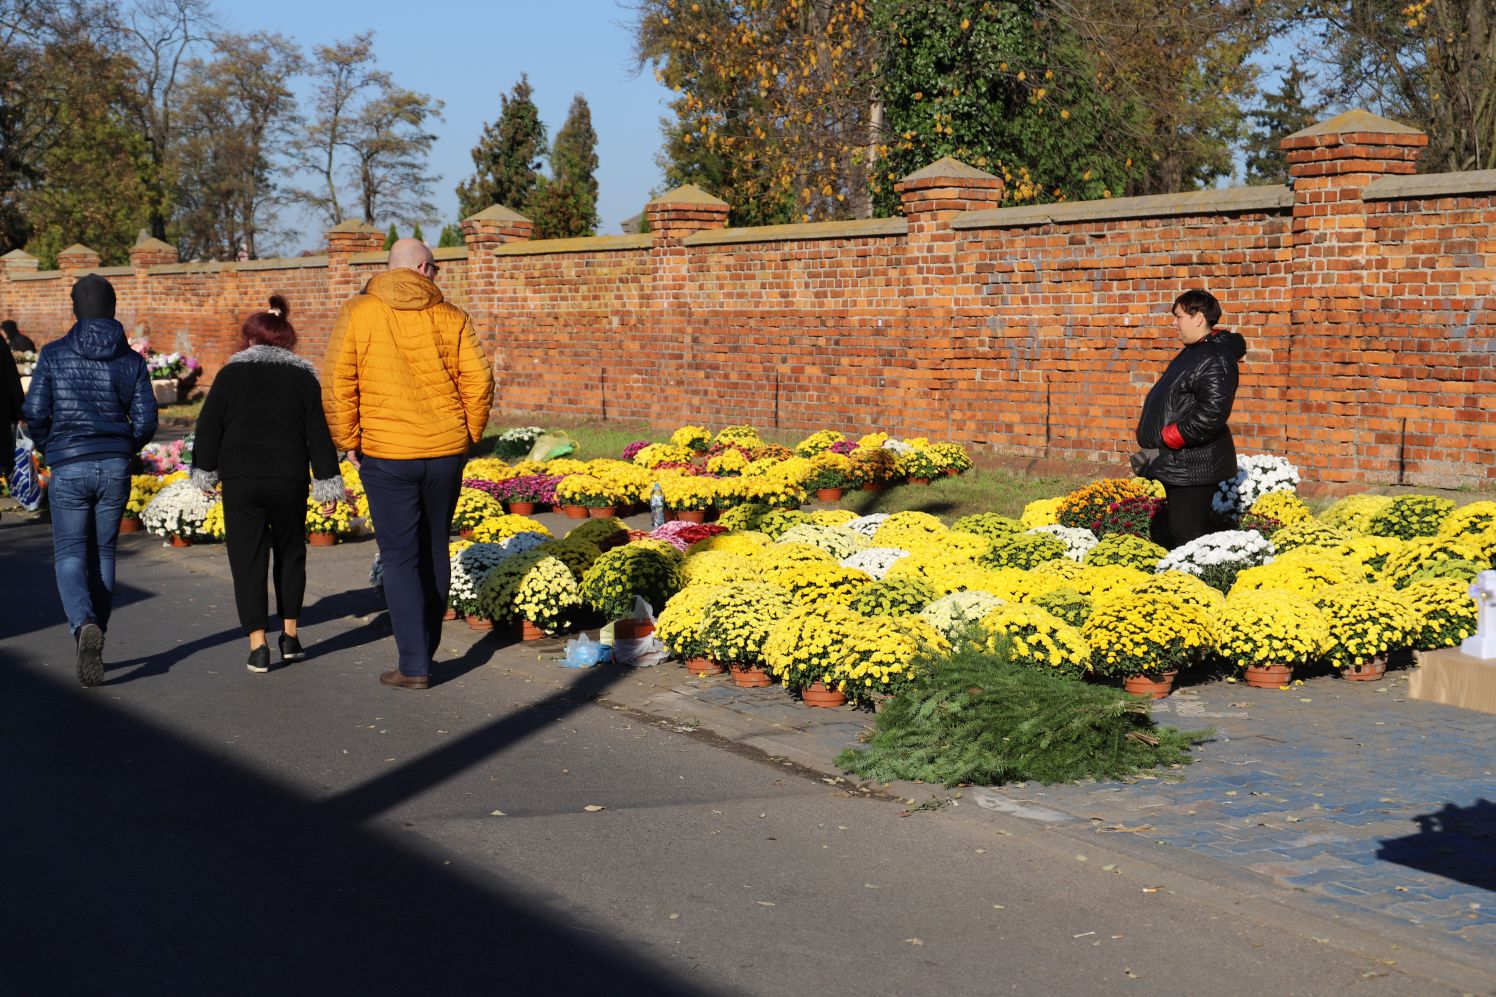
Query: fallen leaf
[(1152, 889), (1131, 975), (764, 903), (914, 941), (593, 808), (1083, 934), (497, 813), (998, 907), (675, 917), (1109, 868), (869, 886)]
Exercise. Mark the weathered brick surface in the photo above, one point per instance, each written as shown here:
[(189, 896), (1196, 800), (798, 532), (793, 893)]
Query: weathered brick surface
[(1372, 349)]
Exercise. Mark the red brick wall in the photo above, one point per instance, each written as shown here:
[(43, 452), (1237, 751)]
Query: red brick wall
[(1372, 352)]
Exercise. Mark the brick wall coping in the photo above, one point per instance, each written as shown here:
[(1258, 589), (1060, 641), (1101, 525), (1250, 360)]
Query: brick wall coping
[(585, 244), (450, 253), (37, 275), (382, 256), (111, 271), (1194, 202), (378, 256), (854, 229), (287, 263), (1407, 188)]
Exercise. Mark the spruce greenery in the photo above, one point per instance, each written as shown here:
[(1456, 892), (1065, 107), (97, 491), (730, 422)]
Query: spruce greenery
[(976, 718), (391, 237), (1282, 113), (451, 237), (507, 157), (565, 204)]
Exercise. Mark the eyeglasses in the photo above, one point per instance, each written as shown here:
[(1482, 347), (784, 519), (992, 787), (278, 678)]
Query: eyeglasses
[(432, 269)]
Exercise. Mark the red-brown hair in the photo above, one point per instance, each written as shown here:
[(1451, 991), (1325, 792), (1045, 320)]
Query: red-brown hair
[(271, 327)]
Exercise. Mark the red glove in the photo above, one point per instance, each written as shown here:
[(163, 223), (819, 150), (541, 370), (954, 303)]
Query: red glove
[(1173, 439)]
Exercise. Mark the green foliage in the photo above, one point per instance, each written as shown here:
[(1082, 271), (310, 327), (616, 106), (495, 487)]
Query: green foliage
[(416, 233), (507, 157), (975, 718), (391, 237), (1026, 550), (1282, 113), (892, 597), (451, 237), (565, 204), (1067, 604), (1411, 516), (999, 88)]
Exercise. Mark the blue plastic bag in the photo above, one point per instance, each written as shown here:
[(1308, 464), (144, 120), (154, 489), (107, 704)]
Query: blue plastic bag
[(25, 487)]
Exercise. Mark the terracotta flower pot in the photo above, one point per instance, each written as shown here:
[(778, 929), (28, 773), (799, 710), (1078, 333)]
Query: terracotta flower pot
[(632, 629), (873, 486), (321, 539), (816, 694), (522, 508), (1371, 671), (703, 666), (130, 524), (529, 631), (450, 614), (575, 511), (179, 541), (750, 678), (951, 472), (557, 507), (691, 515), (602, 511), (1147, 685), (479, 623), (466, 533), (1268, 676), (919, 481), (828, 494)]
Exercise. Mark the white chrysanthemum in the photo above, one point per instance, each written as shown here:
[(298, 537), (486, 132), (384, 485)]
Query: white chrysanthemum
[(867, 525), (953, 614), (1078, 542), (179, 508), (1242, 547), (876, 561), (1256, 476)]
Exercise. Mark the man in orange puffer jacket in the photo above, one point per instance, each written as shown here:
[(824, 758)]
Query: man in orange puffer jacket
[(407, 387)]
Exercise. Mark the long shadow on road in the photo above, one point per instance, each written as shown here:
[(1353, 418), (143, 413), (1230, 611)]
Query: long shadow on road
[(132, 863)]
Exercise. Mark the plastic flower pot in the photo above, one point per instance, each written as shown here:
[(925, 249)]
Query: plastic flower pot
[(180, 541), (919, 481), (750, 678), (479, 623), (873, 486), (602, 511), (691, 515), (1147, 685), (522, 508), (1369, 671), (130, 524), (818, 695), (703, 666), (1268, 676), (828, 494), (632, 629), (575, 511), (321, 539), (529, 631)]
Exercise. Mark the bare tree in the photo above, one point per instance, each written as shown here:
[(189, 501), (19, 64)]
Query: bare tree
[(389, 144), (344, 71)]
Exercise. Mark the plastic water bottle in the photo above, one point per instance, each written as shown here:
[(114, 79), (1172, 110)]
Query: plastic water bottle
[(656, 507)]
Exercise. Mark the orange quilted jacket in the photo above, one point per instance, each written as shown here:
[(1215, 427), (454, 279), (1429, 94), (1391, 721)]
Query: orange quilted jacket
[(404, 376)]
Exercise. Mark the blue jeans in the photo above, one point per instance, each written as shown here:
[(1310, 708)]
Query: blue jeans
[(87, 498), (411, 503)]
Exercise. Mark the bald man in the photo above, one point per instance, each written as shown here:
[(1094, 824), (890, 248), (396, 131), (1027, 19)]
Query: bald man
[(407, 389)]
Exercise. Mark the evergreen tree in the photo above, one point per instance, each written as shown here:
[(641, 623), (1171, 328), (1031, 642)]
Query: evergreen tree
[(507, 157), (416, 233), (565, 205), (451, 237), (391, 236), (1282, 113)]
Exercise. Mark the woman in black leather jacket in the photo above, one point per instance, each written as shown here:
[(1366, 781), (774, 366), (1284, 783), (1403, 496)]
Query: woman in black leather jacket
[(1184, 419)]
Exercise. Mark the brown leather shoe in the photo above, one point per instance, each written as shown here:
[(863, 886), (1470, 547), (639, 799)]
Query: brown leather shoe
[(400, 680)]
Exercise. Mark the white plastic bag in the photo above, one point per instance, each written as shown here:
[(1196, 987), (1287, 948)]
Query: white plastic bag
[(642, 652), (25, 487), (583, 652)]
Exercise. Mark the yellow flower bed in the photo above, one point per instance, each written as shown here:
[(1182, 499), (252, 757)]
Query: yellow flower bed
[(1146, 633), (1354, 513), (1037, 639), (819, 584), (1286, 507), (1270, 626), (503, 526), (1041, 512), (1365, 621)]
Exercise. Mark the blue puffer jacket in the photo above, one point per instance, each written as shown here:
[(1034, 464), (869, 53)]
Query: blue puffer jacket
[(90, 396)]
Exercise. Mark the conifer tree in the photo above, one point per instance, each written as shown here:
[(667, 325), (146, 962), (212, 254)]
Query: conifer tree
[(565, 205), (451, 237), (1282, 113), (391, 236), (507, 157), (416, 233)]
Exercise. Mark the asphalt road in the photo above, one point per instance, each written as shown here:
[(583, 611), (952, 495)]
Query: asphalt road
[(191, 828)]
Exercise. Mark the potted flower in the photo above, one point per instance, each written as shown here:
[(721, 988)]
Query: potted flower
[(1447, 613), (957, 616), (952, 458), (534, 591), (805, 652), (648, 569), (1145, 639), (1366, 622), (470, 565), (522, 493), (143, 488), (1132, 516), (1217, 558), (819, 583), (678, 626), (735, 625), (1036, 638), (818, 443), (473, 507), (516, 443), (875, 467), (688, 496), (178, 511), (579, 494), (919, 465), (1126, 549), (830, 474), (1268, 633), (694, 438), (880, 657), (324, 528), (1410, 516)]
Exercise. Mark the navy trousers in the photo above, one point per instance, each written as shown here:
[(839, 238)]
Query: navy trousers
[(411, 503)]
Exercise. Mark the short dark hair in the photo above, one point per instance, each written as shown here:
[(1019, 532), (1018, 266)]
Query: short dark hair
[(271, 327), (1199, 303), (10, 328)]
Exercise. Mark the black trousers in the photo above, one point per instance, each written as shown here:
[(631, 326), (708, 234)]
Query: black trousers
[(261, 515), (1187, 517)]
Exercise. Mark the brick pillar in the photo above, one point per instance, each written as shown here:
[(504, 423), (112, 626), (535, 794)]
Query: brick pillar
[(921, 399), (150, 252), (663, 365), (75, 258), (18, 261), (349, 237), (493, 227), (1350, 413)]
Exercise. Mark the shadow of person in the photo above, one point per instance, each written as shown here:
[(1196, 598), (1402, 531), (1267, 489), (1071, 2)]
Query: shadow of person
[(1455, 842)]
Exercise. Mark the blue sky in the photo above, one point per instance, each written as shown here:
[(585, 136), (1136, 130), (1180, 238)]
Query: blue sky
[(467, 54)]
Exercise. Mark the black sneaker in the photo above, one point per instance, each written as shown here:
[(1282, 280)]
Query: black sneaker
[(291, 648), (259, 659), (90, 654)]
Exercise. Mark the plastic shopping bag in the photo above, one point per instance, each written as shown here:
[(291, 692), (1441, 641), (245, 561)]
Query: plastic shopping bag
[(25, 485), (549, 446), (641, 652), (583, 652)]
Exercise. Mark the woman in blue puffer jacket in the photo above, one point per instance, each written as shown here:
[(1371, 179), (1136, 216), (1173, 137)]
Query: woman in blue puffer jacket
[(90, 410)]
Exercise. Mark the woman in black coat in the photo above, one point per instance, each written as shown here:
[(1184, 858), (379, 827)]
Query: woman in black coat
[(1184, 419), (260, 427)]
